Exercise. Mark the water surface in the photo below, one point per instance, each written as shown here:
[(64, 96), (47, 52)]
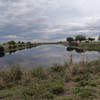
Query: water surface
[(45, 55)]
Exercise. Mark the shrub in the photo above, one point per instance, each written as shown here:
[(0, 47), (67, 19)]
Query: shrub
[(57, 68), (82, 83), (87, 83), (57, 87), (39, 72), (14, 74), (57, 71), (38, 91), (26, 79), (1, 86), (84, 92), (81, 77), (58, 90)]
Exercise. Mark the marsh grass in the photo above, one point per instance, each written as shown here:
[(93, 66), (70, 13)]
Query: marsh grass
[(70, 81)]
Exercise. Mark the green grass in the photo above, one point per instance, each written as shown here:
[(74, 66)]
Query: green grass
[(91, 46), (59, 82)]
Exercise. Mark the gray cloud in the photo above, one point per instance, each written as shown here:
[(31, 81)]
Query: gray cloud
[(44, 20)]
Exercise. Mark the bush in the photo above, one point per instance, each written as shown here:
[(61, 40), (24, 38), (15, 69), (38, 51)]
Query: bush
[(57, 87), (39, 72), (26, 79), (84, 92), (58, 90), (81, 77), (37, 91), (1, 86), (58, 68), (14, 74)]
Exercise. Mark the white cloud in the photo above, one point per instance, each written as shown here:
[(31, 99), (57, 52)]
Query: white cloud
[(10, 37)]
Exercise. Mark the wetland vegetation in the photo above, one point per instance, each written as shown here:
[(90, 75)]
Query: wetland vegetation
[(60, 82)]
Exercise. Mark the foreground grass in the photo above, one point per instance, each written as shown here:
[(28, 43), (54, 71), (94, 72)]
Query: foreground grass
[(68, 82)]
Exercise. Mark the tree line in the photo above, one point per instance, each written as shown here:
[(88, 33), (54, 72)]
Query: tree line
[(81, 38)]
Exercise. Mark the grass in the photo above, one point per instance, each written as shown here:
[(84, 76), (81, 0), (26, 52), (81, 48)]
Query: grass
[(54, 83), (91, 46)]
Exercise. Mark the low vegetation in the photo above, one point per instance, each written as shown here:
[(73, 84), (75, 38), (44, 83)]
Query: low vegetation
[(12, 46), (94, 46), (60, 82), (82, 42)]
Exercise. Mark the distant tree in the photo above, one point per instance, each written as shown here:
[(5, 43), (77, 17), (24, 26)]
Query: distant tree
[(99, 38), (12, 42), (22, 42), (69, 39), (19, 42), (91, 39), (80, 38), (1, 49), (29, 43)]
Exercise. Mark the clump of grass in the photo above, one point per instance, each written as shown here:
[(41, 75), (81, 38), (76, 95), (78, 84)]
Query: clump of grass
[(39, 73), (12, 75), (85, 93), (57, 87)]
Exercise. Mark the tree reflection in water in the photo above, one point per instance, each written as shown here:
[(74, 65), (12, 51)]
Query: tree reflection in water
[(2, 51), (77, 50)]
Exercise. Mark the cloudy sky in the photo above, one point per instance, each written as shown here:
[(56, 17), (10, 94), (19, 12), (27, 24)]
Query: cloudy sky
[(48, 20)]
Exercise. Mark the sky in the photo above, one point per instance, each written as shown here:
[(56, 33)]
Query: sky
[(48, 20)]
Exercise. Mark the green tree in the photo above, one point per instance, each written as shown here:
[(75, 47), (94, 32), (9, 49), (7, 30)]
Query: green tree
[(69, 39), (91, 39), (80, 38), (12, 42)]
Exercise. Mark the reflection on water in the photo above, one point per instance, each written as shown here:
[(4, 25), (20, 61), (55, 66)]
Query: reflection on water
[(45, 56), (2, 54), (76, 49), (2, 51)]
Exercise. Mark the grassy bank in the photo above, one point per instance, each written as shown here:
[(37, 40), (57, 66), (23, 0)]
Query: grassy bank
[(59, 82), (17, 47), (12, 47), (91, 46)]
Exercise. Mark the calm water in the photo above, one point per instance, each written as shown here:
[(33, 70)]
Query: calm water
[(45, 56)]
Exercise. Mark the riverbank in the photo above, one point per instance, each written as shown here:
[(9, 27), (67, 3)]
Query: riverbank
[(91, 46), (60, 82), (12, 46)]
